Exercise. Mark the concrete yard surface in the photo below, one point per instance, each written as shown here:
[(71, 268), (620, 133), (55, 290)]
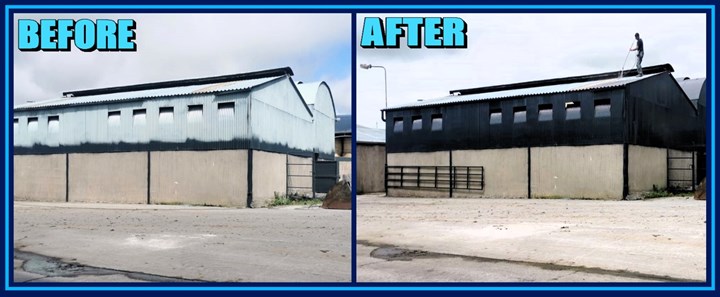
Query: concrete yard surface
[(530, 240), (61, 242)]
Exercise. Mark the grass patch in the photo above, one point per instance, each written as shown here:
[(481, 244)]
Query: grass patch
[(170, 203), (666, 192), (283, 200), (188, 204), (549, 197)]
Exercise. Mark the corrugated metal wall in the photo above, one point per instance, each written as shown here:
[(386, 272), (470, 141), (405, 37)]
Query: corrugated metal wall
[(138, 123), (324, 112), (467, 125), (279, 121), (661, 115)]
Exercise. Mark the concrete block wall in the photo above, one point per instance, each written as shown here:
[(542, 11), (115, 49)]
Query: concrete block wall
[(199, 177), (505, 171), (110, 177), (39, 178), (269, 177), (345, 170), (647, 166), (592, 172), (217, 177), (370, 168)]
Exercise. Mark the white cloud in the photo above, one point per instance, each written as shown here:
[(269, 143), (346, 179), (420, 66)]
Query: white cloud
[(342, 92), (179, 46)]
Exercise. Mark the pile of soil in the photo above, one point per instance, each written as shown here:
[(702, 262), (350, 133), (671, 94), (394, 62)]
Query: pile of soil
[(339, 196)]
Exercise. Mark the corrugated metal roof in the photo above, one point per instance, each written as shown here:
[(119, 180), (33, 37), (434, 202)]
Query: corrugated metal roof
[(343, 124), (308, 90), (543, 90), (370, 135), (691, 86), (146, 94)]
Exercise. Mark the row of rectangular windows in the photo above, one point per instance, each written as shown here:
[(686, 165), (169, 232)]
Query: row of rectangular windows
[(545, 113), (166, 115)]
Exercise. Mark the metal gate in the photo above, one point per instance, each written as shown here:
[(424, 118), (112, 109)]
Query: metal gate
[(307, 176), (681, 170), (325, 175), (299, 176), (468, 178)]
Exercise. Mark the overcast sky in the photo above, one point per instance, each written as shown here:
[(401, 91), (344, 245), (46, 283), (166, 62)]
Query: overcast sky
[(179, 46), (507, 48)]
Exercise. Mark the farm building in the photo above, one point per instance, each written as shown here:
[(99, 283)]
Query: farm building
[(343, 145), (695, 90), (598, 136), (371, 159), (228, 140)]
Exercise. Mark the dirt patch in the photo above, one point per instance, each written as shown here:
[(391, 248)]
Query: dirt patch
[(662, 238), (339, 197)]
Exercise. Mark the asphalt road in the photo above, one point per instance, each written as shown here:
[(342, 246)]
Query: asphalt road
[(60, 242), (521, 240)]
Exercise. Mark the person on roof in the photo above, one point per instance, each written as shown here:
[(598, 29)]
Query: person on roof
[(641, 52)]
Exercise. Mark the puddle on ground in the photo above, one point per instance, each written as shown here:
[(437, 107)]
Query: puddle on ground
[(397, 254), (54, 267), (393, 253)]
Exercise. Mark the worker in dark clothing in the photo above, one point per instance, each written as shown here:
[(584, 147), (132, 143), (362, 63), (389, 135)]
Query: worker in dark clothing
[(641, 52)]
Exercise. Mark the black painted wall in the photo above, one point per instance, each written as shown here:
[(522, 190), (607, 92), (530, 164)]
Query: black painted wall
[(467, 125), (661, 115)]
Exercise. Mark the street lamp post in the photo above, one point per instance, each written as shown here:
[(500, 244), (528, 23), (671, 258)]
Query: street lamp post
[(385, 172), (370, 66)]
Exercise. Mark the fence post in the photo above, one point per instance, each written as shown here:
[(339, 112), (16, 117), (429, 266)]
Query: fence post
[(386, 179), (482, 178), (692, 167), (467, 182), (667, 156), (450, 172), (418, 177), (312, 175)]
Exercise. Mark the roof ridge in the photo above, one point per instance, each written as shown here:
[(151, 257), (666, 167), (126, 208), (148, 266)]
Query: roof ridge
[(183, 82), (563, 80)]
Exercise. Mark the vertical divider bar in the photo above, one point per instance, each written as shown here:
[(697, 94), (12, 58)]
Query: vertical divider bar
[(482, 178), (529, 172), (418, 176), (667, 168), (148, 176), (387, 174), (450, 172), (67, 177), (692, 168), (467, 182)]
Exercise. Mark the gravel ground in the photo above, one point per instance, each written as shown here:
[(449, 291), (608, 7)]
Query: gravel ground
[(289, 244), (651, 240)]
